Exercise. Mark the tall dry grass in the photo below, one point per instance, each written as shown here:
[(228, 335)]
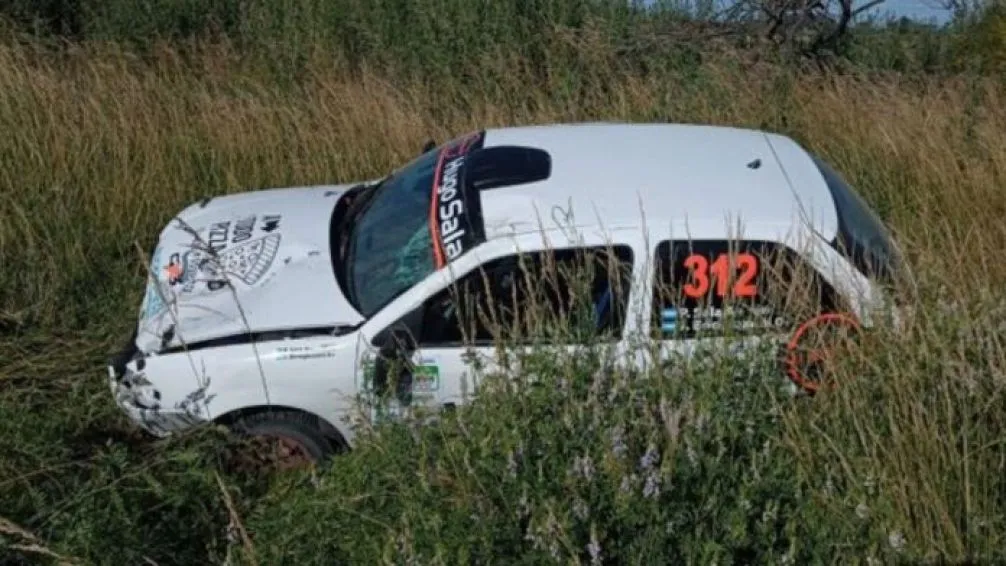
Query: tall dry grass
[(99, 149)]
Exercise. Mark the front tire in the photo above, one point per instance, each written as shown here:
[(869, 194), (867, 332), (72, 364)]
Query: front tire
[(289, 439)]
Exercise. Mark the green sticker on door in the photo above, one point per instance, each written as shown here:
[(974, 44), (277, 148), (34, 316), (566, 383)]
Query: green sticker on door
[(426, 377)]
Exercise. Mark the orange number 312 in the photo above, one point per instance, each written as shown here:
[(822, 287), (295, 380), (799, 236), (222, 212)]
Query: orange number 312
[(701, 271)]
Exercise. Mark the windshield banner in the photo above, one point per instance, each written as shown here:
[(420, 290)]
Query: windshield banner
[(451, 209)]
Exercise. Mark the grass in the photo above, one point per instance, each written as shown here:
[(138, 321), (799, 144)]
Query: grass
[(101, 147)]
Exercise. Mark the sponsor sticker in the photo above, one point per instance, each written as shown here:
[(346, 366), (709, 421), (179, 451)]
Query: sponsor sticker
[(304, 352), (693, 321), (450, 211), (243, 249), (426, 377)]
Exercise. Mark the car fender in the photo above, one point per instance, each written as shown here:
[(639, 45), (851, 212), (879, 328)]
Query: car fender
[(232, 403), (314, 374)]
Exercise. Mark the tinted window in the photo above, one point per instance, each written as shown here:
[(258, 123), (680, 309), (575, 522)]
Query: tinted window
[(716, 287), (533, 295), (503, 166), (862, 236)]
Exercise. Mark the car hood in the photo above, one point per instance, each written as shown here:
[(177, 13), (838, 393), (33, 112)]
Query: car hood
[(243, 263)]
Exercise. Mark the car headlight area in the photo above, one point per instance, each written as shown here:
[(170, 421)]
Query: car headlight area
[(143, 402)]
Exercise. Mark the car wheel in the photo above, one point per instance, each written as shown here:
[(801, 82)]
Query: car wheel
[(288, 439)]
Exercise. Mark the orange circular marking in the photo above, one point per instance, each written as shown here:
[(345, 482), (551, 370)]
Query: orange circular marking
[(816, 355)]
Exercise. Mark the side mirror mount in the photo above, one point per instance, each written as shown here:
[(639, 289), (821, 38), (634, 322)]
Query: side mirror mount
[(393, 364)]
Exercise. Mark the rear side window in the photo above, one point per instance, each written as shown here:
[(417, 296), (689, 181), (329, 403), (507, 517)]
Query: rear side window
[(714, 288), (862, 236)]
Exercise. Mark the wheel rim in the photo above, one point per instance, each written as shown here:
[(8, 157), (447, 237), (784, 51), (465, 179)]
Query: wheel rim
[(286, 452), (805, 366)]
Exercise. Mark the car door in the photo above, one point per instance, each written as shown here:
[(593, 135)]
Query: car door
[(418, 337), (449, 338), (392, 373)]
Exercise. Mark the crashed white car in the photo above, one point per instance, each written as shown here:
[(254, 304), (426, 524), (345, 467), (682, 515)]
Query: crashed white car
[(265, 311)]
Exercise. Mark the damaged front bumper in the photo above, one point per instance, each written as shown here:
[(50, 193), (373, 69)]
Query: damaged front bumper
[(139, 399)]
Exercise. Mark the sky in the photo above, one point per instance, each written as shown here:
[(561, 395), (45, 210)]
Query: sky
[(924, 10), (915, 9)]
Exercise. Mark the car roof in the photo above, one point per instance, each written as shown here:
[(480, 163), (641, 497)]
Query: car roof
[(614, 175)]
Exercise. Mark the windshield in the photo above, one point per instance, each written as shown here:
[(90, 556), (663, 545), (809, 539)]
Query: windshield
[(390, 245), (862, 235)]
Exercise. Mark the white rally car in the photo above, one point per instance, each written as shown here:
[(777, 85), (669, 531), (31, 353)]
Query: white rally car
[(270, 311)]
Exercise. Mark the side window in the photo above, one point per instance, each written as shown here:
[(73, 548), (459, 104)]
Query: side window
[(711, 288), (555, 295)]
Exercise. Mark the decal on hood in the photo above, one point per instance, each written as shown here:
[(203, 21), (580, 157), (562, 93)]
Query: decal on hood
[(450, 206), (244, 249)]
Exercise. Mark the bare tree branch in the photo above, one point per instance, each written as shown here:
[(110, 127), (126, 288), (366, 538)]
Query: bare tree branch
[(868, 6), (808, 26), (952, 5)]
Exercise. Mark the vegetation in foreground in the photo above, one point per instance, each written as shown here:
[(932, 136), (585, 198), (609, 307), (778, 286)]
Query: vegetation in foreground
[(707, 463)]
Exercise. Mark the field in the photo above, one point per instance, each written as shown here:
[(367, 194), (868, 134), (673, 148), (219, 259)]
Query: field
[(101, 143)]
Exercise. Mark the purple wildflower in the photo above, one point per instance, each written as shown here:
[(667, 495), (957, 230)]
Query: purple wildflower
[(652, 486), (594, 548), (650, 458), (583, 467), (618, 445)]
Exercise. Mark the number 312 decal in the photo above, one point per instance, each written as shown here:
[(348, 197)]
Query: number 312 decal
[(702, 273)]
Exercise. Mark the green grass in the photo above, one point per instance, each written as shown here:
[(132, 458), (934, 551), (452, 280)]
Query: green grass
[(100, 147)]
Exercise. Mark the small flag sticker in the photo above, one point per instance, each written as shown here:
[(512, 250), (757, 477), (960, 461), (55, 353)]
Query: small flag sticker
[(669, 320)]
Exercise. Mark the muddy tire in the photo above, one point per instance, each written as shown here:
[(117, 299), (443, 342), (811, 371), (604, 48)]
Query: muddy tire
[(286, 438)]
